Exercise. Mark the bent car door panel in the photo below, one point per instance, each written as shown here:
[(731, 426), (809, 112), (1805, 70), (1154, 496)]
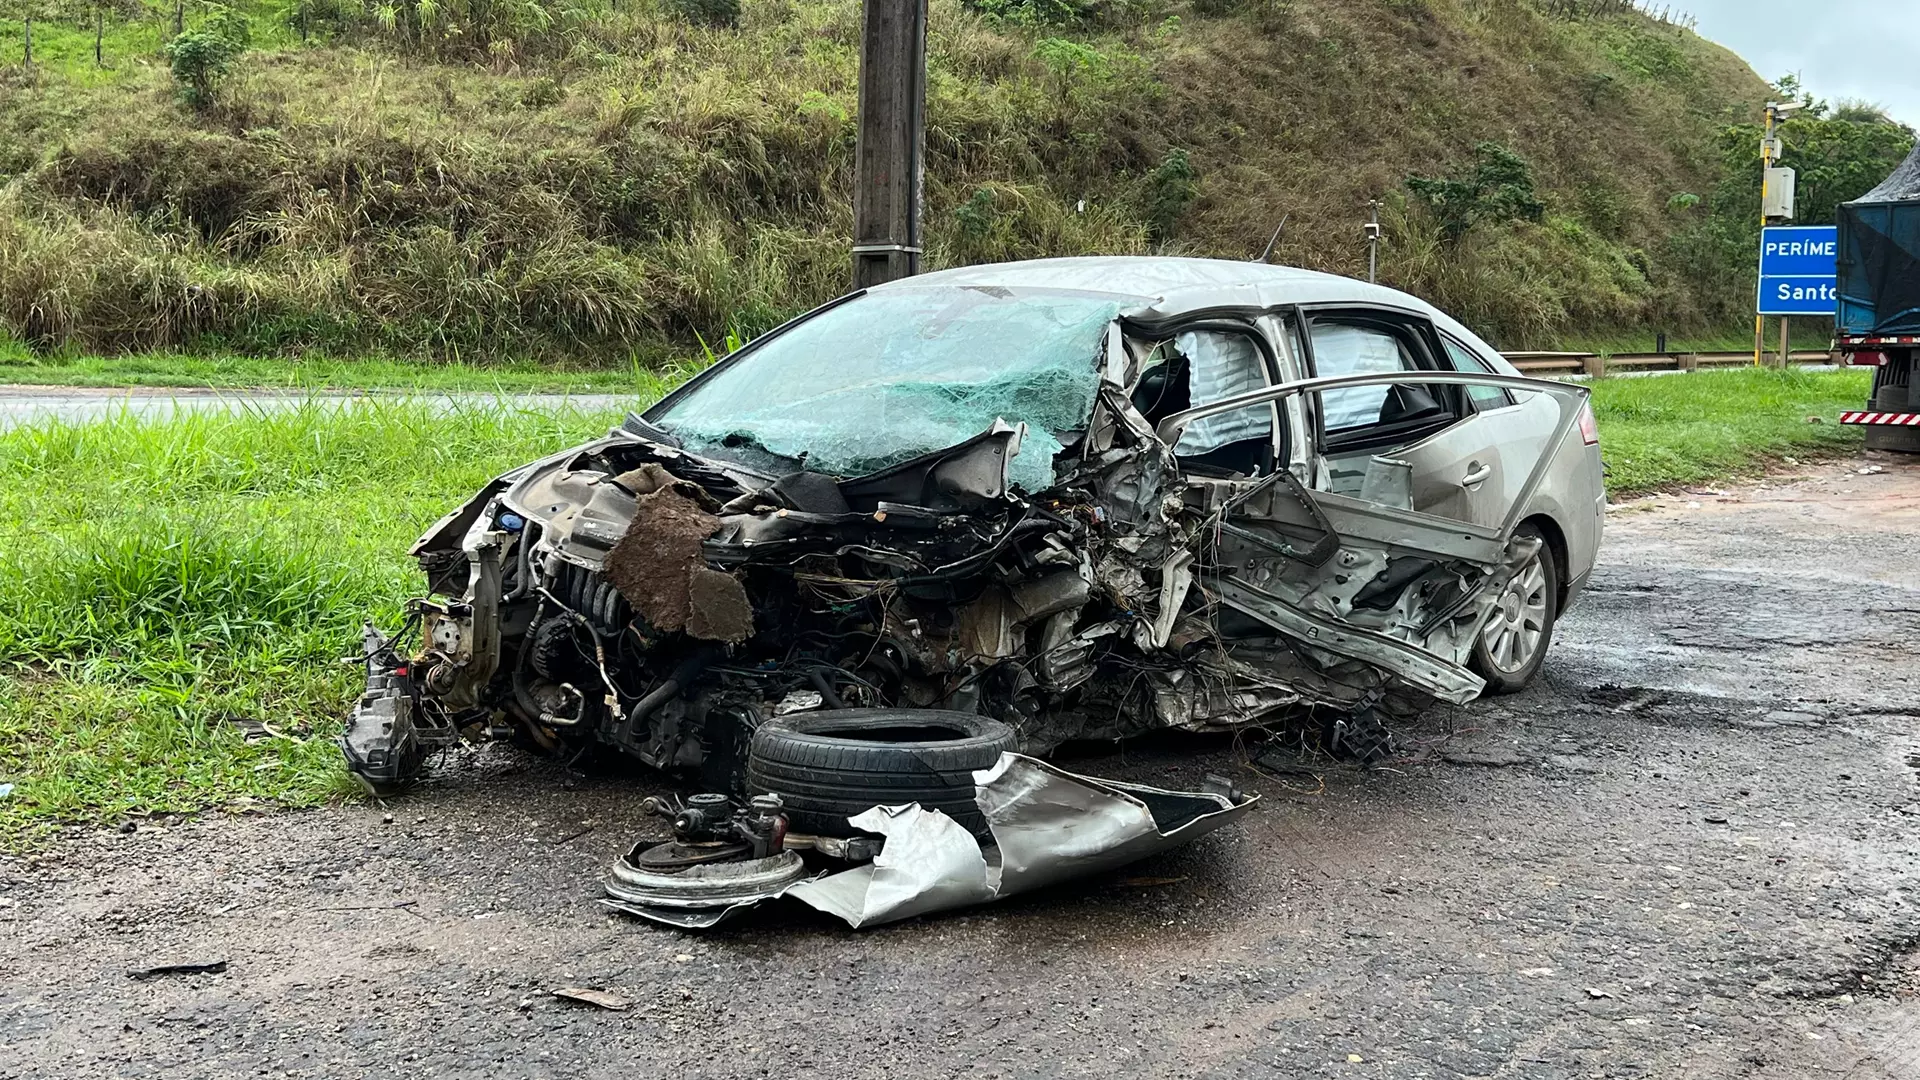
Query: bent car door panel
[(1403, 582), (1477, 469)]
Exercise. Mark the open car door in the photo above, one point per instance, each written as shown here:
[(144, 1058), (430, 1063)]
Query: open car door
[(1402, 567)]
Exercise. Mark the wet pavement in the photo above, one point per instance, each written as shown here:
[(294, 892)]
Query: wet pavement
[(1690, 851), (75, 405)]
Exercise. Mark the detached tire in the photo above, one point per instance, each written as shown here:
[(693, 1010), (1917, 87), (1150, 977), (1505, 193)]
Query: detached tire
[(831, 764)]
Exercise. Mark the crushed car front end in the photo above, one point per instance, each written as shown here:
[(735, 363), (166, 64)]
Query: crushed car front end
[(666, 588)]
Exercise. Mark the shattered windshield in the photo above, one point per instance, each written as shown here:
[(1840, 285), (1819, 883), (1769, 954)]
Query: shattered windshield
[(901, 372)]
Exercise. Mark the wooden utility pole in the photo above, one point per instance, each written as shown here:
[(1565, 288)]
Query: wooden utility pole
[(888, 159)]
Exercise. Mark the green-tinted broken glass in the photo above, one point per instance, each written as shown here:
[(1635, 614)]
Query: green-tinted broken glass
[(900, 372)]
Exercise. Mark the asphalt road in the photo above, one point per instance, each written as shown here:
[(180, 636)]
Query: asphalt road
[(1689, 852), (73, 405)]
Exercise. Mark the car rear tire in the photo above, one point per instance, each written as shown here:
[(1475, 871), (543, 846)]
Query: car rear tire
[(833, 763), (1513, 643)]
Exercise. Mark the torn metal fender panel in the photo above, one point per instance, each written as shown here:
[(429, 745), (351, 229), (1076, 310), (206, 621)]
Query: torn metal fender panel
[(1052, 825), (1048, 826), (929, 863)]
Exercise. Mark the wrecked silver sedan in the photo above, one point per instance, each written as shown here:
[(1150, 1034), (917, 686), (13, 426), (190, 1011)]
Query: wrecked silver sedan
[(999, 508)]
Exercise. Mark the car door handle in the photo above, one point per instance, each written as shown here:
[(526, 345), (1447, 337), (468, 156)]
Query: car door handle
[(1475, 474)]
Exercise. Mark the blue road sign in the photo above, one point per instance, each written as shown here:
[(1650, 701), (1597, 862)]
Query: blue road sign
[(1799, 270)]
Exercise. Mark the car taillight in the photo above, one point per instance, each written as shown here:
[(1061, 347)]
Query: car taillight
[(1589, 427)]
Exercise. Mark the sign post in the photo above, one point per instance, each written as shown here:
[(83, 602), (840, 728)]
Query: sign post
[(1776, 196), (1799, 275)]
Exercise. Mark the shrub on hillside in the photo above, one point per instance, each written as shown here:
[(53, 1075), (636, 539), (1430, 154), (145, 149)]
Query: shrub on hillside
[(1171, 189), (1498, 189), (202, 56)]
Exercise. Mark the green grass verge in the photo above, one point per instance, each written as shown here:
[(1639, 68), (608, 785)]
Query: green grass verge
[(20, 366), (162, 579), (1663, 430)]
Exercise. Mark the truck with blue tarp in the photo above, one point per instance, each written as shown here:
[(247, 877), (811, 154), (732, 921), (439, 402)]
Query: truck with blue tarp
[(1877, 323)]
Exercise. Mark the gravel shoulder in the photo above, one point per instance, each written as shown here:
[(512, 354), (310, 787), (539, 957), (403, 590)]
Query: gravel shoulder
[(1689, 852)]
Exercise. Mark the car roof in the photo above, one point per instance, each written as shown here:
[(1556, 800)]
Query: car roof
[(1170, 286), (1180, 283)]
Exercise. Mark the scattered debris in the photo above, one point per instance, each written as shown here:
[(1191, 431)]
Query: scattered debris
[(398, 905), (202, 967), (587, 995), (1045, 826), (257, 731)]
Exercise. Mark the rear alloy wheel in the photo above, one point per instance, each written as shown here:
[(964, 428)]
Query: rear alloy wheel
[(1514, 641)]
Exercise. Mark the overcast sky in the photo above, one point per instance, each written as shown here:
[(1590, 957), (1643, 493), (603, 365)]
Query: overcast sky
[(1841, 48)]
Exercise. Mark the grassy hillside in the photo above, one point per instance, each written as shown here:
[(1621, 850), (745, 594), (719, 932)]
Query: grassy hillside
[(597, 181)]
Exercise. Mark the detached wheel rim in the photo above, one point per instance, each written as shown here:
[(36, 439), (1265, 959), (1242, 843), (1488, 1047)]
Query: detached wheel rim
[(1518, 624)]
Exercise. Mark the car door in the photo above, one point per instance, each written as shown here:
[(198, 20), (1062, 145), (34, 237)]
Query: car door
[(1439, 449), (1377, 546), (1514, 425)]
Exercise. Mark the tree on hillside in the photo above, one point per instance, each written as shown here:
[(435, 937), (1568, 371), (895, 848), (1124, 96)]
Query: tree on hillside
[(1857, 111), (1498, 189)]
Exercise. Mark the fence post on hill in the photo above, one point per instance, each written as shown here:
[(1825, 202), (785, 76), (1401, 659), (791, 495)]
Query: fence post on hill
[(888, 165)]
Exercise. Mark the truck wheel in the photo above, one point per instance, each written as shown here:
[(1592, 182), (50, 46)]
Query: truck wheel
[(833, 763), (1513, 643)]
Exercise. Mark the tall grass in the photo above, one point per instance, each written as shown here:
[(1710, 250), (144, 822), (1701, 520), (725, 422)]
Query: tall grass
[(160, 579)]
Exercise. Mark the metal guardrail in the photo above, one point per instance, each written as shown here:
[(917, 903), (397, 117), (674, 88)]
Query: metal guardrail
[(1578, 363)]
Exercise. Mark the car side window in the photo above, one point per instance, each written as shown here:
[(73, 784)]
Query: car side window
[(1223, 365), (1484, 398), (1360, 349), (1199, 367)]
